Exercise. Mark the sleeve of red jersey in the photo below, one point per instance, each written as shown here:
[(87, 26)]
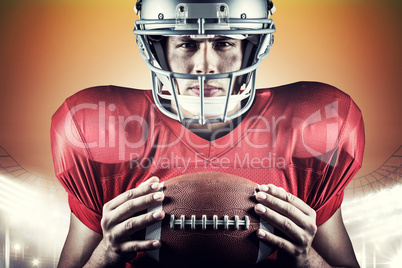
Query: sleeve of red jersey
[(74, 168), (345, 162)]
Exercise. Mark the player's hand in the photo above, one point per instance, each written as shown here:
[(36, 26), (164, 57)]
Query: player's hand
[(292, 217), (121, 220)]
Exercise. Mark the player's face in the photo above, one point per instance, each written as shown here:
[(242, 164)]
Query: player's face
[(204, 56)]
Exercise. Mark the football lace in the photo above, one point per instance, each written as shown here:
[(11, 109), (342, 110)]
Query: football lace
[(204, 222)]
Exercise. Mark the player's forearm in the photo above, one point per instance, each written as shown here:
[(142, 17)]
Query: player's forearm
[(100, 258), (314, 260)]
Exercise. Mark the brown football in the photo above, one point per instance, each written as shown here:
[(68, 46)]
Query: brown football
[(210, 220)]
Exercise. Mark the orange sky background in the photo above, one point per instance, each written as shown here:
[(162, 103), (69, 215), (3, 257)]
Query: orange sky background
[(52, 49)]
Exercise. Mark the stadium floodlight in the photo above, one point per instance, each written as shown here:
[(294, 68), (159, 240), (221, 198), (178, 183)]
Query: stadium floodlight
[(381, 211), (22, 205), (35, 262)]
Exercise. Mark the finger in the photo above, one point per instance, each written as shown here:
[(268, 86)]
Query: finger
[(276, 241), (284, 224), (288, 197), (125, 229), (284, 208), (133, 206), (136, 246), (149, 186)]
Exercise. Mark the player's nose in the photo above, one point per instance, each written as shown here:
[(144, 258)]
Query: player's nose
[(205, 60)]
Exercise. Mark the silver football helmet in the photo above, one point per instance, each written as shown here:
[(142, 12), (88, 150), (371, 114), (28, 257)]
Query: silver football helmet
[(240, 19)]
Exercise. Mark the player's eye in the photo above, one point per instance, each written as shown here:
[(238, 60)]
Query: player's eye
[(188, 45), (223, 45)]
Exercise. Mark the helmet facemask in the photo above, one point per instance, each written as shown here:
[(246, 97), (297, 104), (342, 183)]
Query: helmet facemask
[(203, 20)]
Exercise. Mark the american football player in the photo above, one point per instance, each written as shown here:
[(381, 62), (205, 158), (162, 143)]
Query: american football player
[(113, 147)]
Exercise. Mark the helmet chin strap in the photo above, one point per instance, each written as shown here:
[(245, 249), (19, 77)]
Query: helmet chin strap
[(212, 106)]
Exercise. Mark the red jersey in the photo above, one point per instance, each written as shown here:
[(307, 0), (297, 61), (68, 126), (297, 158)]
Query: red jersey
[(306, 137)]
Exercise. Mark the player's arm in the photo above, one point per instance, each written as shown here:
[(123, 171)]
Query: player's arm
[(120, 220), (79, 245), (307, 245), (332, 242)]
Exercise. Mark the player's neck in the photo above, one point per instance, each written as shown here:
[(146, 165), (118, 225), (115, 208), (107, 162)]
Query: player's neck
[(214, 131)]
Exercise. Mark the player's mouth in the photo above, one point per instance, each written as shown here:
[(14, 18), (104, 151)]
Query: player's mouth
[(209, 90)]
